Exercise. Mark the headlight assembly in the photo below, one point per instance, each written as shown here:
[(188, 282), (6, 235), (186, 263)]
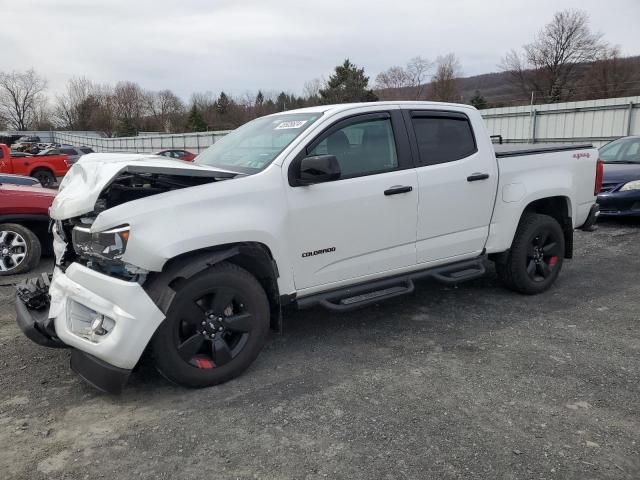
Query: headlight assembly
[(108, 245), (627, 187)]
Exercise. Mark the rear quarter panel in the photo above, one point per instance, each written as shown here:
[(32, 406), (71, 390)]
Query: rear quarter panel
[(527, 178), (56, 163)]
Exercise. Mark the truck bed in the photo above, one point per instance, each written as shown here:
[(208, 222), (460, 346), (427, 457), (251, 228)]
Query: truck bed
[(517, 149)]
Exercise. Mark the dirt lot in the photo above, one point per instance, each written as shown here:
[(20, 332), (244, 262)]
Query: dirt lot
[(467, 382)]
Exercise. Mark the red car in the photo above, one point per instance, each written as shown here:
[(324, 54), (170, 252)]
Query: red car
[(178, 154), (24, 227), (45, 168)]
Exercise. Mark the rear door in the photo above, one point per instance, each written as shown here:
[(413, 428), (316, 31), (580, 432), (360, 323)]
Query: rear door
[(364, 223), (457, 184)]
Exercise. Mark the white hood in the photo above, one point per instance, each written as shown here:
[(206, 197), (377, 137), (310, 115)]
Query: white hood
[(82, 185)]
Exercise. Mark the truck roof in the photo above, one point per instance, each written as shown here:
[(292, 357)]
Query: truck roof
[(338, 107)]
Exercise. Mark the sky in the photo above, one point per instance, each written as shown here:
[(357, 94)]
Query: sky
[(242, 46)]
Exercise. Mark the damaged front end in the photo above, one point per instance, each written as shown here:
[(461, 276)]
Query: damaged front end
[(32, 311), (79, 204), (95, 301)]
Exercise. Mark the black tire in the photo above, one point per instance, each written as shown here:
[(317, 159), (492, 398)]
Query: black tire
[(536, 256), (44, 176), (215, 328), (20, 249)]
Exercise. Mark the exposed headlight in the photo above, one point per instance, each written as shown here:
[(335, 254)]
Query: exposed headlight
[(107, 245), (635, 185)]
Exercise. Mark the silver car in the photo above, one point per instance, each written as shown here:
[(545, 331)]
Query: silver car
[(74, 153)]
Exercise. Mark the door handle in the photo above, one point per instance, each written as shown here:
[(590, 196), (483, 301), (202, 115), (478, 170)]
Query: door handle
[(477, 176), (398, 189)]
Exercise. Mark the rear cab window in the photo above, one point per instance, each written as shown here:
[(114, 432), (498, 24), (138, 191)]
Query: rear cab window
[(442, 137)]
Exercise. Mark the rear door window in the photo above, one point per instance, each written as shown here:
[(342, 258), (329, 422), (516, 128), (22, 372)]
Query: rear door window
[(442, 137)]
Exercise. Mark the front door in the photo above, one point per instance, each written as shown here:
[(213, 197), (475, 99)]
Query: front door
[(364, 223)]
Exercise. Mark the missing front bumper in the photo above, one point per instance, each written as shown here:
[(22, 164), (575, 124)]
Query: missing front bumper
[(32, 312)]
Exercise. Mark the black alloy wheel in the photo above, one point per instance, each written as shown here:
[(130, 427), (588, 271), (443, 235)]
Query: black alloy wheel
[(214, 329), (543, 255), (535, 258)]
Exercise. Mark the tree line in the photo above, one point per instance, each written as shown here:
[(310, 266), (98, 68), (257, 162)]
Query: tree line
[(566, 60)]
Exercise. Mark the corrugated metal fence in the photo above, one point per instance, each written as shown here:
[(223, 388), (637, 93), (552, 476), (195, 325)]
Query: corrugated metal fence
[(592, 121), (194, 142)]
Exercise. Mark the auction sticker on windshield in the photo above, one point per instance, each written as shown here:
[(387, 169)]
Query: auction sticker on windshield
[(291, 124)]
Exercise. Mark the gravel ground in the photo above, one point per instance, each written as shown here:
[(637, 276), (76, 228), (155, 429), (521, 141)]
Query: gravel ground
[(466, 382)]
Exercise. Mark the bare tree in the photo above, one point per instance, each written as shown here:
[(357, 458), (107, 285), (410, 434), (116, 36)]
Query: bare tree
[(409, 81), (549, 64), (71, 109), (165, 109), (311, 90), (609, 76), (21, 95), (393, 77), (444, 84), (103, 115), (417, 70), (129, 106)]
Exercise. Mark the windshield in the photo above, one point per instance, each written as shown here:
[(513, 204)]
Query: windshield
[(256, 144), (623, 150)]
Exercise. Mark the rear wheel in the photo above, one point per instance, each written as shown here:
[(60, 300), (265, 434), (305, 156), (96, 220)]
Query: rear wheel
[(45, 177), (535, 259), (19, 249), (215, 327)]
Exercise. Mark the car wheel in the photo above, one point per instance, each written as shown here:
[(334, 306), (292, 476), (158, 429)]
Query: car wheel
[(215, 327), (535, 259), (19, 249), (45, 177)]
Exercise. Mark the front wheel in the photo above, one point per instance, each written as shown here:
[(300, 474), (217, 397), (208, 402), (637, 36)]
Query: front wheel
[(45, 177), (215, 327), (20, 249), (535, 259)]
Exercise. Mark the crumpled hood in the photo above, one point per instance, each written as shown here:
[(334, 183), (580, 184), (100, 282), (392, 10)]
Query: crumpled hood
[(87, 178)]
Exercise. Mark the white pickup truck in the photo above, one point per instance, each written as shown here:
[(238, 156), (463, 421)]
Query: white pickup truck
[(339, 205)]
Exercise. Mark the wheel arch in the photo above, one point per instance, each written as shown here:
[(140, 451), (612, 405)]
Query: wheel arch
[(38, 224), (37, 168), (559, 208), (254, 257)]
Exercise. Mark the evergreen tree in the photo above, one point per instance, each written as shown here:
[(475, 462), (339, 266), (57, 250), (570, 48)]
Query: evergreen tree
[(479, 101), (195, 121), (126, 128), (347, 84), (259, 99), (282, 102), (223, 103)]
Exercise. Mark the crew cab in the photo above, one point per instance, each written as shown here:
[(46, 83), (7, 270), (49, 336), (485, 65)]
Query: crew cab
[(44, 168), (339, 206)]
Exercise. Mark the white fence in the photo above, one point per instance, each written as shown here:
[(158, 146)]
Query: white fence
[(592, 121), (194, 142)]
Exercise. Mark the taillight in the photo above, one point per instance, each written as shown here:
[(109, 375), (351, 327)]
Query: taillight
[(599, 176)]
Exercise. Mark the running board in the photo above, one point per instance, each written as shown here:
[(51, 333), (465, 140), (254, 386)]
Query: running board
[(356, 296)]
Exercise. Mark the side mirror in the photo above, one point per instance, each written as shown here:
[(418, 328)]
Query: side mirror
[(316, 169)]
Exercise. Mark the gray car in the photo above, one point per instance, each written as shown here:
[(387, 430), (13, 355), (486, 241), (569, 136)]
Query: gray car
[(74, 153)]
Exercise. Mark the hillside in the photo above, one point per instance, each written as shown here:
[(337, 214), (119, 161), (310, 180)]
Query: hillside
[(498, 91)]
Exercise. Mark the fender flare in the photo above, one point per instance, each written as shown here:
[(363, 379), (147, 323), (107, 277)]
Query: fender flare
[(161, 287)]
